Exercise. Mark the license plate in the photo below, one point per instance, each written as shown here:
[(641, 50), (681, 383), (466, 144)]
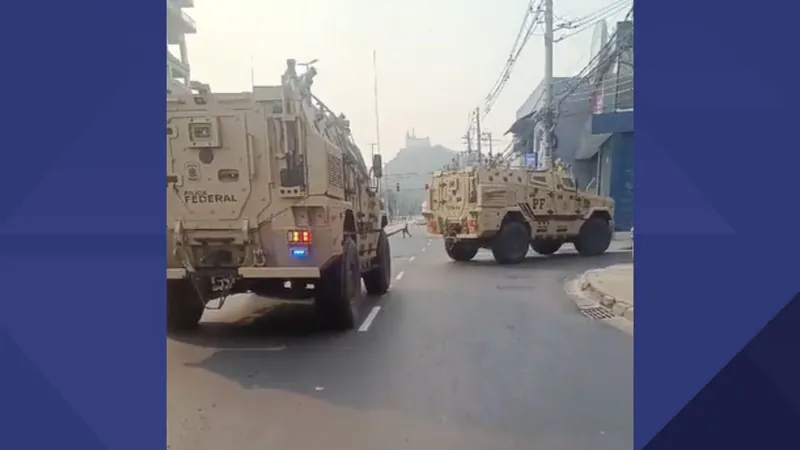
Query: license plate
[(222, 284)]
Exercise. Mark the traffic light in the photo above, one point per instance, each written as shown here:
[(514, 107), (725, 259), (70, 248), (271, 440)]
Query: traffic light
[(427, 186), (397, 187)]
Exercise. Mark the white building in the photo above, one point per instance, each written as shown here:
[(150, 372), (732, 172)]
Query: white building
[(179, 24), (412, 141)]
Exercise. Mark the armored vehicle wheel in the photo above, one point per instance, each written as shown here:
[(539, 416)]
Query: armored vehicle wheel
[(510, 246), (594, 237), (460, 251), (377, 280), (184, 306), (341, 289), (545, 246)]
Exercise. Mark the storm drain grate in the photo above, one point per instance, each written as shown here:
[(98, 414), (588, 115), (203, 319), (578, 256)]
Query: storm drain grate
[(597, 312)]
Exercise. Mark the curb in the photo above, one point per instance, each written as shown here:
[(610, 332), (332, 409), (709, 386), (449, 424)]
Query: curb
[(617, 307)]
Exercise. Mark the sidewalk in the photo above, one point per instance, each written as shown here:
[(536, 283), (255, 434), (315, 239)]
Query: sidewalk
[(613, 286)]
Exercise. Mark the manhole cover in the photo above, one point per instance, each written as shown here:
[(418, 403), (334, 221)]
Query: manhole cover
[(597, 312)]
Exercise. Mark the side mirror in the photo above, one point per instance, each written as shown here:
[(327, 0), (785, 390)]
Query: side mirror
[(377, 166)]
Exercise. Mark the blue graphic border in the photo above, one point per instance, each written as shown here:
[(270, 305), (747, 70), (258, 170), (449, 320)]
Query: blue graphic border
[(82, 225), (716, 215)]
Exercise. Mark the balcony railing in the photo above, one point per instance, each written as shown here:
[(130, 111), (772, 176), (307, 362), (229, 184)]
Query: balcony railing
[(173, 5), (176, 63), (183, 3)]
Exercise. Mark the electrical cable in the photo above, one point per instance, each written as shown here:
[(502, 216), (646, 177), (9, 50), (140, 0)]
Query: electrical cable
[(529, 23)]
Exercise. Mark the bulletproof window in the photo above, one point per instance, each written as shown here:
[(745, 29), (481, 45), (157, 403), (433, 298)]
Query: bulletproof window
[(199, 131)]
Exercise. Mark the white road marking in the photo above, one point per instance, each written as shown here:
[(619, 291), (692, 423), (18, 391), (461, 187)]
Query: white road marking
[(411, 259), (400, 276), (253, 349), (424, 248), (370, 317)]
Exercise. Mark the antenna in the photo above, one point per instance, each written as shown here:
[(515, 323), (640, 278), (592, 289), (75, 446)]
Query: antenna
[(252, 73), (375, 89)]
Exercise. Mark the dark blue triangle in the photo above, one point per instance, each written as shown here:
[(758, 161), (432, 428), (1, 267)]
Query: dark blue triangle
[(752, 403)]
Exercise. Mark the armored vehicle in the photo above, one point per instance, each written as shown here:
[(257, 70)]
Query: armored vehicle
[(509, 209), (267, 192)]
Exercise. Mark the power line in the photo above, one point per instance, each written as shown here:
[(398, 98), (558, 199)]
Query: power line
[(526, 30), (583, 23), (595, 65)]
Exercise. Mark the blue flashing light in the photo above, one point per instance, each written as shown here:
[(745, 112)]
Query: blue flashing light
[(299, 252)]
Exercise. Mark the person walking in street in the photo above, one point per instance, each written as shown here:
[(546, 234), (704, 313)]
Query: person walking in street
[(405, 231)]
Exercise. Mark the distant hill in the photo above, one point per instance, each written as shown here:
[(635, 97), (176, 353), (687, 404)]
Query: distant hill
[(412, 168)]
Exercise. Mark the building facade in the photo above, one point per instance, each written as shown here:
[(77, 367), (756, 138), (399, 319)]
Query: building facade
[(594, 123), (179, 24), (412, 141), (571, 122), (608, 147)]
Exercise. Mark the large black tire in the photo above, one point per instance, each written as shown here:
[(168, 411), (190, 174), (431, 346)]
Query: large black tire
[(545, 246), (460, 251), (510, 245), (337, 299), (378, 279), (594, 237), (184, 306)]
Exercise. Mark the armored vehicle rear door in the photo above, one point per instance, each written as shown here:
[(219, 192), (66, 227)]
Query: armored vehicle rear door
[(209, 157), (451, 194)]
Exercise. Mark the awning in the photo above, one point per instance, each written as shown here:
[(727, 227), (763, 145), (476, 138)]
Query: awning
[(613, 122), (524, 123)]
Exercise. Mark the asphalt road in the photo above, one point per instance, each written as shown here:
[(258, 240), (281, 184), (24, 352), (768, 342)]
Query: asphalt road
[(456, 356)]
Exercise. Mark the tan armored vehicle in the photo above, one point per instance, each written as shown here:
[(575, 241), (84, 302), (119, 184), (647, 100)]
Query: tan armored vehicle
[(267, 192), (509, 209)]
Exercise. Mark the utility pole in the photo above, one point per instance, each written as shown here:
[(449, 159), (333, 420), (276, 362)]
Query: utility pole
[(488, 136), (375, 94), (478, 130), (547, 155)]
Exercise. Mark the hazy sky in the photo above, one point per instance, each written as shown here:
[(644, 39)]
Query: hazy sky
[(437, 59)]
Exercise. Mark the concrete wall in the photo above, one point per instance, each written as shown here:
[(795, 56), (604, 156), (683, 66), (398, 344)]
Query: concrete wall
[(536, 99), (573, 120)]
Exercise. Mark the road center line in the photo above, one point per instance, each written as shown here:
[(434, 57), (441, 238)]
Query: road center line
[(424, 248), (370, 317), (411, 259), (399, 276)]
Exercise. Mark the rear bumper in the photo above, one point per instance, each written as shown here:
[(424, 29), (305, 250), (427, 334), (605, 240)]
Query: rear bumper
[(259, 272)]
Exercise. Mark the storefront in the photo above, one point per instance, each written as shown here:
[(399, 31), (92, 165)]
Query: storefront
[(612, 163)]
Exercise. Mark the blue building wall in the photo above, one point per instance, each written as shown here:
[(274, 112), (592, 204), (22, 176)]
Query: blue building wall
[(614, 164), (620, 147)]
